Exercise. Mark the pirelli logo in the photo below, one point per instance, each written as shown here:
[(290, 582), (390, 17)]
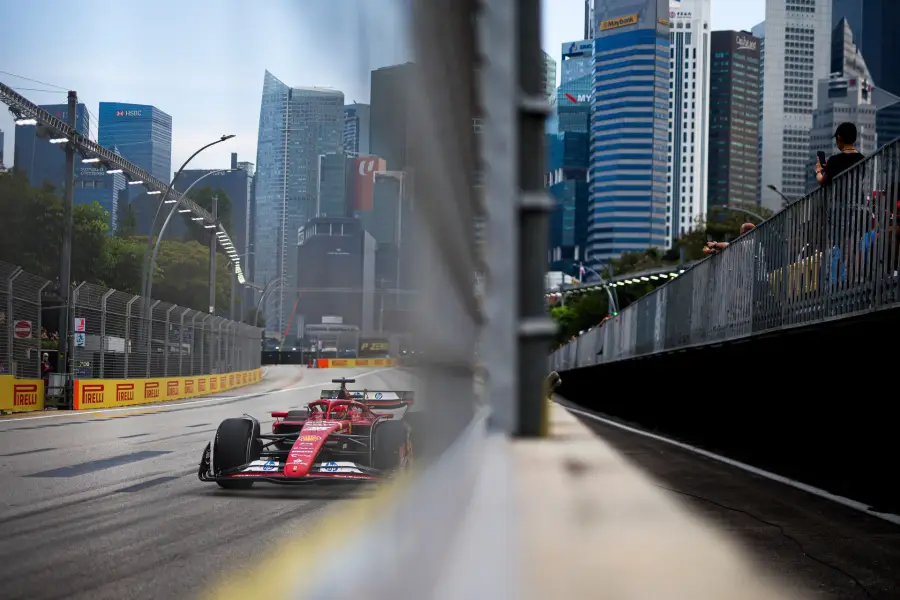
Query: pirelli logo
[(213, 381), (201, 385), (151, 390), (92, 394), (172, 388), (124, 392), (231, 379), (189, 386), (223, 381), (619, 22), (25, 394)]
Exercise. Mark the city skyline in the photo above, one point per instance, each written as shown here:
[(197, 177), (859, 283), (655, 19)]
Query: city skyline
[(222, 77)]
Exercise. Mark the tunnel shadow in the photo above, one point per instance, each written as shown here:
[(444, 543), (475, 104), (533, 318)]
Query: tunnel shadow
[(816, 404)]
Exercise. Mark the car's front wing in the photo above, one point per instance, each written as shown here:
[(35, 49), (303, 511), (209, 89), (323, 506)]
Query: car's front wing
[(274, 472)]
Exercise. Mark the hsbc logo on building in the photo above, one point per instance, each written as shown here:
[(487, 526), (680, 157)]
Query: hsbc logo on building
[(129, 113)]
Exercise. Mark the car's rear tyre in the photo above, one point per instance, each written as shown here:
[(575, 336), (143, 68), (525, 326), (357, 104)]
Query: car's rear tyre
[(392, 443), (237, 443)]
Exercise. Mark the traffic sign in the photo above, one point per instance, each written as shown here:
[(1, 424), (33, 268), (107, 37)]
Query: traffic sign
[(22, 329), (79, 339), (80, 323)]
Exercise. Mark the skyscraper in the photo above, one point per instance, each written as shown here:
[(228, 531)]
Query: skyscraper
[(237, 184), (733, 118), (356, 129), (334, 181), (549, 75), (142, 134), (796, 56), (577, 60), (296, 126), (875, 24), (573, 101), (629, 128), (688, 116), (389, 124), (41, 160), (46, 163)]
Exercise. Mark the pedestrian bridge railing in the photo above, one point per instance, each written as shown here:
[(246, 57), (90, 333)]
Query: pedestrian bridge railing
[(832, 254)]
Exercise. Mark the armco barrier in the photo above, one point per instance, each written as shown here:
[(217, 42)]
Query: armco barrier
[(345, 363), (111, 393), (19, 395)]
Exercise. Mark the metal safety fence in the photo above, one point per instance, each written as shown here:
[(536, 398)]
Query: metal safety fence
[(118, 336), (832, 254)]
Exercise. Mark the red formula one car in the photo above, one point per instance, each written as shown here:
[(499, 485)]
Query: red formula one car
[(343, 435)]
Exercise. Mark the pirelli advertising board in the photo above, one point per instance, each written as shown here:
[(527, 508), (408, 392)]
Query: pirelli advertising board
[(19, 395), (110, 393)]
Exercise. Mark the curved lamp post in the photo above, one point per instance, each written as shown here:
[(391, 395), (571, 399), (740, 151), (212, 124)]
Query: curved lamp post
[(171, 186), (606, 285), (159, 238), (262, 297), (743, 210)]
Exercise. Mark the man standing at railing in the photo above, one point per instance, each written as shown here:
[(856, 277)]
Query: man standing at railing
[(848, 155), (844, 138)]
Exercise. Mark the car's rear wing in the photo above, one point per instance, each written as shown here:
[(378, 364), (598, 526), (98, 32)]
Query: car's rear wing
[(374, 398)]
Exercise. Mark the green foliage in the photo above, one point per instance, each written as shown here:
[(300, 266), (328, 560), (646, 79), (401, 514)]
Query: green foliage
[(32, 239), (250, 317), (127, 221)]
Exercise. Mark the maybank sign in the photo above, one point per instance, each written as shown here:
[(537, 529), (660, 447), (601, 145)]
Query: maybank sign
[(619, 22)]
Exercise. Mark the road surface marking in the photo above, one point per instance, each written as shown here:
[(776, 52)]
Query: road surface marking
[(860, 506)]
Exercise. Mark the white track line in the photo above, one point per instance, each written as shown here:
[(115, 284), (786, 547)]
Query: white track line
[(860, 506), (154, 407)]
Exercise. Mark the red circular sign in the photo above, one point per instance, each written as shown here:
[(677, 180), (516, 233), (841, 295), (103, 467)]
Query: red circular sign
[(22, 329)]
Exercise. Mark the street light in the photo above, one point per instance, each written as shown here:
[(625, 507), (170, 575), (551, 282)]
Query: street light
[(162, 232), (265, 292), (743, 210), (787, 199), (145, 276)]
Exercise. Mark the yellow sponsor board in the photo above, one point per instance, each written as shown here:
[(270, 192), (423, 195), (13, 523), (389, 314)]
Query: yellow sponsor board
[(663, 22), (110, 393), (619, 22), (18, 395), (350, 363)]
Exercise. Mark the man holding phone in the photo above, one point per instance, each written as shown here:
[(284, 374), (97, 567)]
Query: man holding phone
[(844, 138)]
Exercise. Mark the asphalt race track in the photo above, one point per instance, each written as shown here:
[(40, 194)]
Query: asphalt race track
[(832, 551), (107, 504)]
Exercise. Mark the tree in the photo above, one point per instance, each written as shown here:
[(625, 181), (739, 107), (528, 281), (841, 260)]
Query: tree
[(128, 224), (250, 317), (204, 198)]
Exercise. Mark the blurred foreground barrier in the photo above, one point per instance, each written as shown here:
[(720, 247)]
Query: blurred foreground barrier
[(832, 254), (17, 395), (561, 517), (110, 393)]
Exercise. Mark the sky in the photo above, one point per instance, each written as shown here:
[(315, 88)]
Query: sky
[(205, 66)]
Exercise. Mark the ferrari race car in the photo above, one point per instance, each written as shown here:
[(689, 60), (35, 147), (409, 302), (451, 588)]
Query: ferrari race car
[(345, 435)]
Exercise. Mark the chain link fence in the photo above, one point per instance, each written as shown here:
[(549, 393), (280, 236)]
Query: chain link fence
[(116, 340), (20, 322)]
